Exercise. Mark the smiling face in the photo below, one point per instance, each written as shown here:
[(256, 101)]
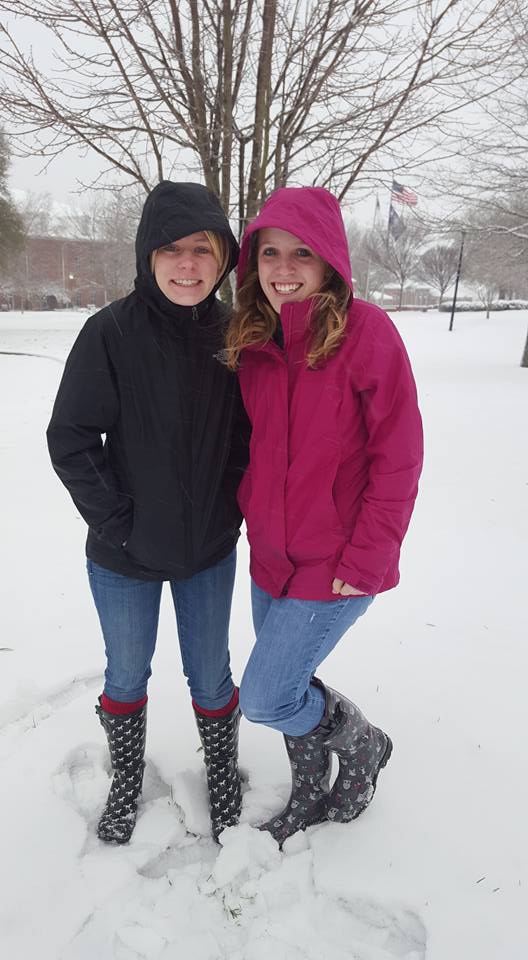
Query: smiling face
[(186, 270), (288, 269)]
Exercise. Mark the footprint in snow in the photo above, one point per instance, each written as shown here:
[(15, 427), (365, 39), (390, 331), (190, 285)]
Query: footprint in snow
[(83, 781), (32, 711)]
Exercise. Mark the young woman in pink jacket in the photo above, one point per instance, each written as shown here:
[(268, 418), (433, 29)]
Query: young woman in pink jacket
[(335, 457)]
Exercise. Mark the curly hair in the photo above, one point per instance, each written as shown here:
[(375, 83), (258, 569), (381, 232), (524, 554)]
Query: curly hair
[(254, 321)]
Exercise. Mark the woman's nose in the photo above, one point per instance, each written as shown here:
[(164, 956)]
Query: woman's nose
[(187, 261), (286, 266)]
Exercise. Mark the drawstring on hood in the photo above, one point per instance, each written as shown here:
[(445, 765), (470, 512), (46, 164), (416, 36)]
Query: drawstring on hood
[(172, 211)]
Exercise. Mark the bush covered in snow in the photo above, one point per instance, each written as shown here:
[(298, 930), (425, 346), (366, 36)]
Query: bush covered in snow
[(465, 305)]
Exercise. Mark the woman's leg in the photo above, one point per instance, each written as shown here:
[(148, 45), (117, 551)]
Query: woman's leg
[(294, 638), (128, 612), (203, 607)]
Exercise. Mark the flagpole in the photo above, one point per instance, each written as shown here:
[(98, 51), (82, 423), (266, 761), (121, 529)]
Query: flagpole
[(376, 211), (459, 268), (391, 208)]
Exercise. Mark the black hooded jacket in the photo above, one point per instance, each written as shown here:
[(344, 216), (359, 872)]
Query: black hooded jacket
[(148, 432)]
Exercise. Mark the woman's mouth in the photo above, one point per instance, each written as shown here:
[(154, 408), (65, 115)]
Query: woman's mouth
[(286, 288), (186, 283)]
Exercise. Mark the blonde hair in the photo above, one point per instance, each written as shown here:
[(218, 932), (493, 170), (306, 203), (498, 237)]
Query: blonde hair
[(254, 321), (219, 247)]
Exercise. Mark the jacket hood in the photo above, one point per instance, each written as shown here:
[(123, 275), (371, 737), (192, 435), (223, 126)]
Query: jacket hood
[(310, 213), (172, 211)]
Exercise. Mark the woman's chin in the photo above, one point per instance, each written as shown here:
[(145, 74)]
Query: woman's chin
[(181, 298)]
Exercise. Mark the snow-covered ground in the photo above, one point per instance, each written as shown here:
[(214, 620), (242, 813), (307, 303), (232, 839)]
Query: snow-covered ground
[(436, 868)]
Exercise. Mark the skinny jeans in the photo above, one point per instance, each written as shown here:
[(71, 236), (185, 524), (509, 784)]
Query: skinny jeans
[(128, 611)]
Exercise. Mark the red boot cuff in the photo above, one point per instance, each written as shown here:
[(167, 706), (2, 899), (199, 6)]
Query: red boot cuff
[(222, 712), (120, 708)]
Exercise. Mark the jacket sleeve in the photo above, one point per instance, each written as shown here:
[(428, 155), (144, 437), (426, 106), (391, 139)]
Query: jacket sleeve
[(239, 456), (238, 453), (395, 452), (87, 406)]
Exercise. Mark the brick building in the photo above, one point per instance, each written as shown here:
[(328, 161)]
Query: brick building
[(59, 272), (414, 296)]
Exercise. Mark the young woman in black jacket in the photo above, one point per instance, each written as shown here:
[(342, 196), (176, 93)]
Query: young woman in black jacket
[(149, 437)]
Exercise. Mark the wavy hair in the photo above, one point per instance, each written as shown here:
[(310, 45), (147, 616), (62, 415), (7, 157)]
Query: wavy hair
[(254, 321)]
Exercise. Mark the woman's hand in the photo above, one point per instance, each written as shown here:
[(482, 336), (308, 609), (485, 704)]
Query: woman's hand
[(346, 590)]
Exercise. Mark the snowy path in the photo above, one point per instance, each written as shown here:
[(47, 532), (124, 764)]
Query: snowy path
[(436, 868)]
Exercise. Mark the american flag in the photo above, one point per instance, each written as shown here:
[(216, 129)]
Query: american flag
[(401, 194)]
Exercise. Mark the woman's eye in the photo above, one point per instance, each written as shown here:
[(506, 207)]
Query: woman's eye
[(268, 252), (202, 250), (170, 248), (303, 252)]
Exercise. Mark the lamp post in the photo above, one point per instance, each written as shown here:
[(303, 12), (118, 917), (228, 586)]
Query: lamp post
[(459, 268), (71, 278)]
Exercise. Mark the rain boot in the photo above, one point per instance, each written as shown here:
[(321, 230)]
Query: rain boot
[(363, 750), (311, 764), (126, 741), (219, 737)]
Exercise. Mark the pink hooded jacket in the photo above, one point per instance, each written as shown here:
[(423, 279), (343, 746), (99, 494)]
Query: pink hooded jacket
[(336, 452)]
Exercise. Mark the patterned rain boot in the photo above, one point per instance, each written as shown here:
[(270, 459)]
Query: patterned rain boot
[(126, 741), (219, 737), (363, 751), (311, 764)]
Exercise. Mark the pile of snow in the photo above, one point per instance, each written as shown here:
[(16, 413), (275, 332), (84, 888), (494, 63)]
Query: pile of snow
[(436, 868)]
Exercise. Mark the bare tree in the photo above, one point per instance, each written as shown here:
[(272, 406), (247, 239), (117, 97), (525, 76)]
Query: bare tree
[(437, 266), (361, 267), (251, 95), (396, 259), (36, 212), (490, 183), (109, 220), (494, 261)]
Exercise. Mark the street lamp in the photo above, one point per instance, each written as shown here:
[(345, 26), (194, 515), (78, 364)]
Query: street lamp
[(459, 268)]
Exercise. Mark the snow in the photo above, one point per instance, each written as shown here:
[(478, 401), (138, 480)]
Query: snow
[(436, 868)]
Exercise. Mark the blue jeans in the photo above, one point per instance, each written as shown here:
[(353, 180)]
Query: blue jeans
[(129, 611), (293, 638)]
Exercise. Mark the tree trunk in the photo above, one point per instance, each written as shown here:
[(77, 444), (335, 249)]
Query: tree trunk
[(524, 358), (227, 106), (262, 103)]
